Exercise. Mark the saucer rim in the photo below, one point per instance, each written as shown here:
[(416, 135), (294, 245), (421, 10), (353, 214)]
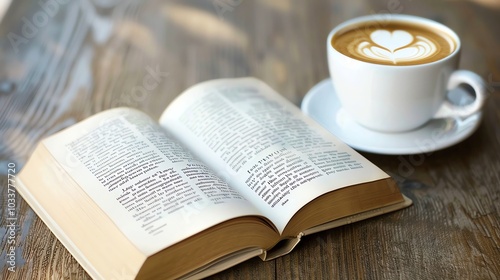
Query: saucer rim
[(407, 150)]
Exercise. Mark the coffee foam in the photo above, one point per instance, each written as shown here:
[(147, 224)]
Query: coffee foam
[(394, 44)]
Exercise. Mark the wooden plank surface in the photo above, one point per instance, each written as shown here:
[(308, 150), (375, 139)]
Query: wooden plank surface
[(70, 59)]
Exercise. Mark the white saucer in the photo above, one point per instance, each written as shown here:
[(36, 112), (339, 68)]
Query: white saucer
[(322, 105)]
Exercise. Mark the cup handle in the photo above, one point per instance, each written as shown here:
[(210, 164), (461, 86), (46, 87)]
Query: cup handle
[(478, 85)]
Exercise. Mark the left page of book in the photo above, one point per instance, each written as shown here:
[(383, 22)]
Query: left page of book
[(155, 192)]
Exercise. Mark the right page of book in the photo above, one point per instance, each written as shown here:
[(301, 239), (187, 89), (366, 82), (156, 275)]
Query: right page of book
[(264, 146)]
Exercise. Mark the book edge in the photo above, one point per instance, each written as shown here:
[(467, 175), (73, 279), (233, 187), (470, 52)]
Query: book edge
[(224, 263), (56, 230), (360, 216), (290, 244), (53, 225)]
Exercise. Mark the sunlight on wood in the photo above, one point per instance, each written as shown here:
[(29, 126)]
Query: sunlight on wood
[(137, 35), (204, 25), (276, 68), (4, 6), (282, 5), (486, 3)]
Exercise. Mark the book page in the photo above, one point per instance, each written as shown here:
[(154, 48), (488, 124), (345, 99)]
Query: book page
[(264, 146), (156, 192)]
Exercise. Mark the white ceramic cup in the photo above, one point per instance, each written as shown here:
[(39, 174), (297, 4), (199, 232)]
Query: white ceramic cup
[(392, 98)]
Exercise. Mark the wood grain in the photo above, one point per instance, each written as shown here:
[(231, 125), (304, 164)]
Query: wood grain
[(87, 56)]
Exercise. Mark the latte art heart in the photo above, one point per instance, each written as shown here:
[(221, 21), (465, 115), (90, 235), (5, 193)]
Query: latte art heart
[(396, 43), (396, 46)]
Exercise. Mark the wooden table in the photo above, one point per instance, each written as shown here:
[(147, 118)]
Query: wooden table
[(71, 59)]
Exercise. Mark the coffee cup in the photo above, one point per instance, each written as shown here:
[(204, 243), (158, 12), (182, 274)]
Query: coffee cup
[(392, 73)]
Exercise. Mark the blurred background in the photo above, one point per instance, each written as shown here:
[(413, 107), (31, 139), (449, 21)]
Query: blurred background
[(86, 56)]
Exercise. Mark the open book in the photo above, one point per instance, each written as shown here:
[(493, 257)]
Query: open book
[(231, 171)]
